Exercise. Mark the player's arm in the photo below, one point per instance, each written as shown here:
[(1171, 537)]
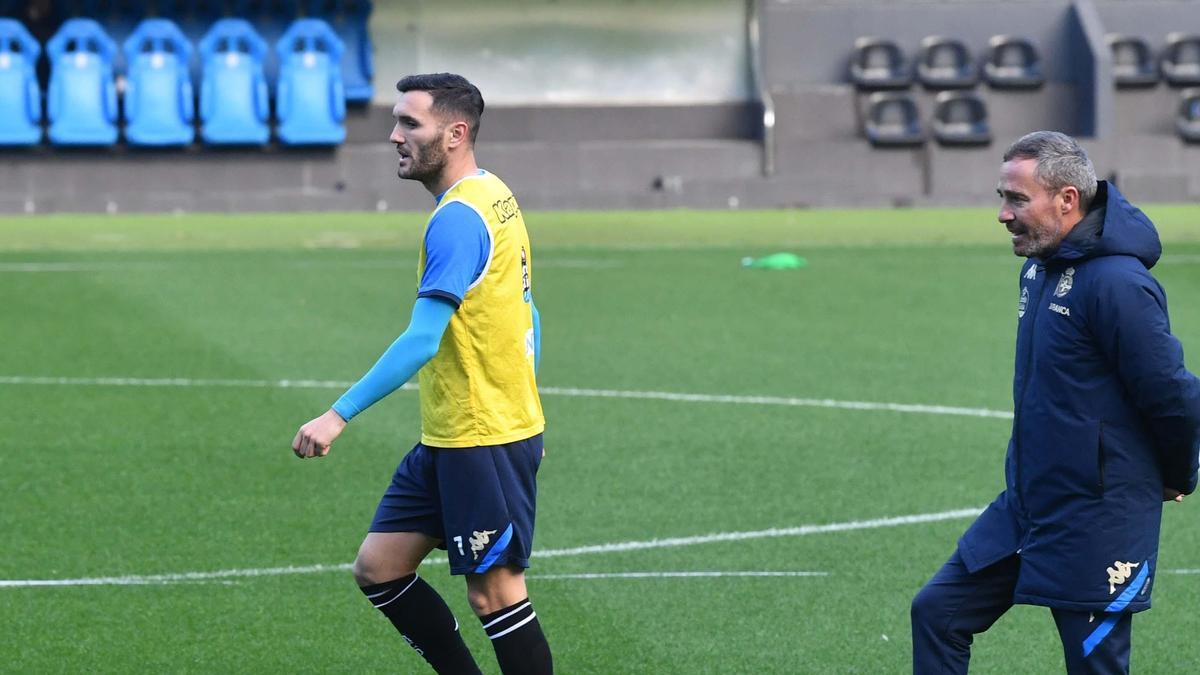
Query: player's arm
[(457, 247), (412, 350), (1135, 332)]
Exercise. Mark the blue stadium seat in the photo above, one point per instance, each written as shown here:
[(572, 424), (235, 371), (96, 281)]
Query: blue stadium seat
[(946, 63), (1181, 60), (118, 18), (893, 120), (878, 63), (1133, 62), (270, 18), (233, 92), (1187, 122), (1013, 63), (81, 103), (310, 103), (961, 118), (349, 19), (194, 18), (20, 95), (158, 89)]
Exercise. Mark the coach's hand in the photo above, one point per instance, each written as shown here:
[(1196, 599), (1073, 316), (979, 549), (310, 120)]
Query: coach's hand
[(1172, 495), (315, 437)]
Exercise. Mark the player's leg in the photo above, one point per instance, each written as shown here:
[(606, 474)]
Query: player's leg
[(489, 496), (406, 527), (955, 606), (502, 604), (390, 555), (1095, 643)]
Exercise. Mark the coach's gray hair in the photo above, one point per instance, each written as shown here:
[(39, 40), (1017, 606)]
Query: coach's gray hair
[(1060, 162)]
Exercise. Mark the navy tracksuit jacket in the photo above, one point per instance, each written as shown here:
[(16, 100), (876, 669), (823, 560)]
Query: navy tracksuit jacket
[(1106, 415)]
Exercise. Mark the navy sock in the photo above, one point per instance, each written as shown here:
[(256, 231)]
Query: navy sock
[(516, 635), (422, 617)]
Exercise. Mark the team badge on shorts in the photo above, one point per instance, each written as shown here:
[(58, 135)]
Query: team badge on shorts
[(1119, 573), (479, 541)]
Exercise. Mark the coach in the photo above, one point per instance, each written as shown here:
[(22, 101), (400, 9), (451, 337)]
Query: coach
[(1106, 426)]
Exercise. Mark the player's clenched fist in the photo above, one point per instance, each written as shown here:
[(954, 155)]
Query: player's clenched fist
[(314, 438)]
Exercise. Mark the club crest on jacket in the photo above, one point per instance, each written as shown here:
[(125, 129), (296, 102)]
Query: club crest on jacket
[(1065, 282)]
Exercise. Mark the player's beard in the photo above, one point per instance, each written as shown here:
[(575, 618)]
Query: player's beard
[(426, 162), (1037, 241)]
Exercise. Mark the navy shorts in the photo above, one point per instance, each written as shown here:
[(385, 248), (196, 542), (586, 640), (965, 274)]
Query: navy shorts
[(479, 502)]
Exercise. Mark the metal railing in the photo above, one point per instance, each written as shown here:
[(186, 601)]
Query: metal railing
[(759, 79)]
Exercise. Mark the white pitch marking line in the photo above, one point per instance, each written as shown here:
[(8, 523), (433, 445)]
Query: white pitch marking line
[(1183, 571), (139, 579), (780, 401), (81, 266), (176, 382), (146, 265), (674, 542), (671, 575), (915, 408), (800, 531)]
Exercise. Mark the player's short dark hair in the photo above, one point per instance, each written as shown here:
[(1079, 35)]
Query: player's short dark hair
[(452, 95)]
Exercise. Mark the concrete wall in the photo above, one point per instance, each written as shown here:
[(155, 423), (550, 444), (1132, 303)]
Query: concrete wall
[(570, 52)]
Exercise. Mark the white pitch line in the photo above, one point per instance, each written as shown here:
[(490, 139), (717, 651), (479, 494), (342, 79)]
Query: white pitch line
[(175, 382), (800, 531), (157, 266), (82, 266), (674, 542), (779, 401), (671, 575), (146, 579), (1183, 571), (914, 408)]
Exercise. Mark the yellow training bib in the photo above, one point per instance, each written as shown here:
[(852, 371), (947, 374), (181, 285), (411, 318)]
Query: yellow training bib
[(479, 389)]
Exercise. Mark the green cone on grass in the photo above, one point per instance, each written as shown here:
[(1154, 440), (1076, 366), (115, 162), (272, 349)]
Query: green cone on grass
[(775, 261)]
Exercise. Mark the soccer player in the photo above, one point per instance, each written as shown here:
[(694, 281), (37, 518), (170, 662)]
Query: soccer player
[(1106, 426), (469, 486)]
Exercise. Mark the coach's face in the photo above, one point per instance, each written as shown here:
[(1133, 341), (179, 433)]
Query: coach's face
[(419, 137), (1034, 215)]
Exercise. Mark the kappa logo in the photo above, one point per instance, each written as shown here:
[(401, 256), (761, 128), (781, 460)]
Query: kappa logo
[(479, 541), (1031, 273), (1118, 574), (1023, 302), (1065, 283), (506, 208)]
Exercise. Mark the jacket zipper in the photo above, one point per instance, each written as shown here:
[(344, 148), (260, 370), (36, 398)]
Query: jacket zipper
[(1021, 397), (1101, 460)]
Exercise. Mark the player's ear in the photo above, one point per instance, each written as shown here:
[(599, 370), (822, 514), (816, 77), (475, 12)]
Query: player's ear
[(457, 134), (1069, 198)]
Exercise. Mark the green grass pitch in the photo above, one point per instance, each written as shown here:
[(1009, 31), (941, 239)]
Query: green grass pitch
[(896, 306)]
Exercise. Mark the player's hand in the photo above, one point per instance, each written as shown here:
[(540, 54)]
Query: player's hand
[(1172, 495), (314, 438)]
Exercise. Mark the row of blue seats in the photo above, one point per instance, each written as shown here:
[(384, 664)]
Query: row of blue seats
[(270, 18), (119, 17), (81, 101)]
